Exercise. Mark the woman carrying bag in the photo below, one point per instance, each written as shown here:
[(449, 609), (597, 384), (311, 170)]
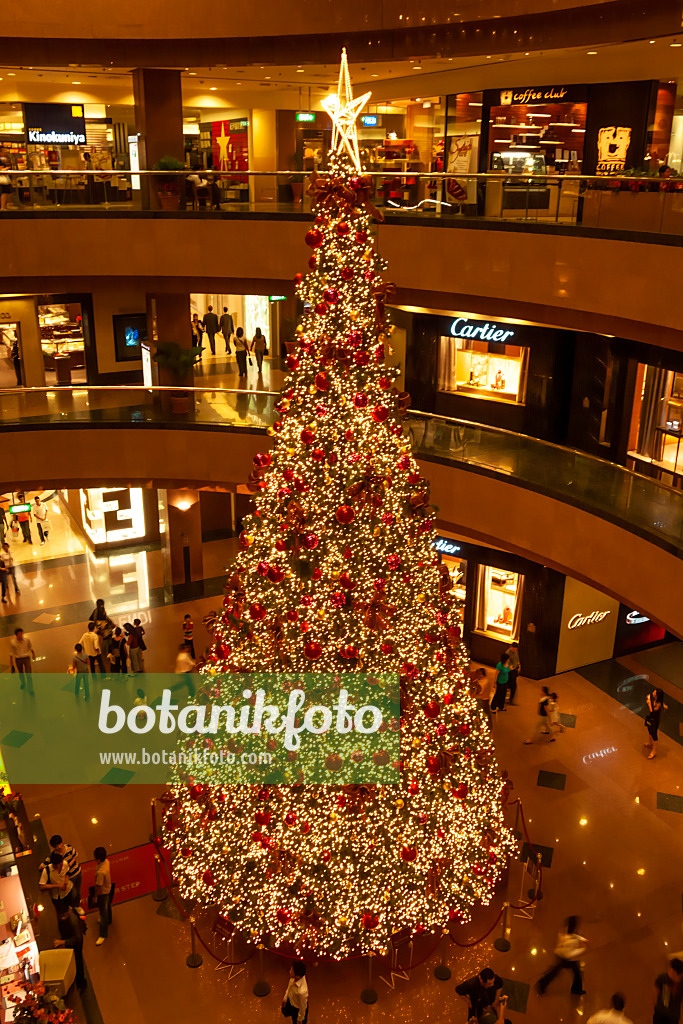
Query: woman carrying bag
[(259, 346), (240, 343)]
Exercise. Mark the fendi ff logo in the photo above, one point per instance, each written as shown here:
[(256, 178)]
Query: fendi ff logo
[(613, 146)]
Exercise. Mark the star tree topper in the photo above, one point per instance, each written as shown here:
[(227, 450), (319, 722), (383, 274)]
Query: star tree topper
[(344, 109)]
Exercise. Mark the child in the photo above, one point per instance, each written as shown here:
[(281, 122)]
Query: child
[(81, 666), (188, 634), (554, 713)]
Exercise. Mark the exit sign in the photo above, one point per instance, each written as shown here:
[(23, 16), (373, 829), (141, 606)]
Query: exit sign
[(277, 298), (305, 116), (369, 120), (20, 508)]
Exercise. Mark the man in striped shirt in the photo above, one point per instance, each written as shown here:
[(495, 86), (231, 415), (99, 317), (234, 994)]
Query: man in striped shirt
[(74, 873)]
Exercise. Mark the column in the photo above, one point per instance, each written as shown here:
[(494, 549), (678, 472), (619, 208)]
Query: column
[(158, 121), (185, 540), (262, 155)]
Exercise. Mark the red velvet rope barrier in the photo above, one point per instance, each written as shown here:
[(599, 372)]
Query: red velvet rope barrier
[(378, 956)]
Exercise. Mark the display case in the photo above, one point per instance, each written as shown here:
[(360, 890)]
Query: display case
[(498, 603), (483, 369), (61, 335)]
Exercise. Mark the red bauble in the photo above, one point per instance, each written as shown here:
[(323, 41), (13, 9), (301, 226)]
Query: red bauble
[(432, 709), (317, 573), (343, 228), (380, 413), (292, 362), (322, 381), (369, 921), (290, 819), (307, 435), (433, 765), (288, 474), (298, 278), (196, 791), (307, 600), (464, 729), (387, 648), (361, 358), (311, 541), (262, 459), (360, 400), (337, 599), (257, 611), (348, 553), (276, 574), (422, 818), (262, 568), (325, 856), (331, 295), (207, 878), (321, 308), (393, 561), (379, 583), (321, 218), (346, 273), (345, 581), (318, 454), (263, 794), (408, 853), (413, 787), (354, 338), (462, 791), (262, 817), (280, 544), (305, 827), (345, 514), (213, 813), (313, 650), (413, 478), (314, 238), (449, 698), (384, 383), (292, 615), (348, 434), (283, 916), (349, 652), (332, 458), (388, 518), (246, 540), (313, 262), (186, 851), (361, 236)]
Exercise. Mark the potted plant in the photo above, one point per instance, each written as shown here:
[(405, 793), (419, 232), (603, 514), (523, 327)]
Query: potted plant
[(169, 187), (179, 362)]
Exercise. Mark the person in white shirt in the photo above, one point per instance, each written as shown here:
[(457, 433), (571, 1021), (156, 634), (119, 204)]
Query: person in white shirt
[(8, 558), (295, 1001), (90, 642), (185, 666), (40, 516), (614, 1015), (21, 654), (55, 880), (569, 949)]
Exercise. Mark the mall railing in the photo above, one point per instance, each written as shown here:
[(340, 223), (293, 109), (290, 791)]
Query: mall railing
[(625, 203), (637, 503)]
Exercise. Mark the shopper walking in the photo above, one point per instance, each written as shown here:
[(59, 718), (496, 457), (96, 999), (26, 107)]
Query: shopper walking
[(568, 952), (40, 516), (184, 667), (8, 559), (513, 664), (103, 891), (5, 180), (73, 869), (71, 937), (542, 727), (90, 642), (669, 994), (134, 641), (614, 1015), (197, 331), (498, 702), (553, 709), (15, 356), (24, 520), (480, 687), (188, 634), (295, 1001), (55, 880), (21, 654), (655, 706), (241, 352), (227, 328), (211, 327), (104, 627), (81, 664), (258, 347)]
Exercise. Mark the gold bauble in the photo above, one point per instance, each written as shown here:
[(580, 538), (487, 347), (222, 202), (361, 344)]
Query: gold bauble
[(300, 329), (420, 598), (400, 804)]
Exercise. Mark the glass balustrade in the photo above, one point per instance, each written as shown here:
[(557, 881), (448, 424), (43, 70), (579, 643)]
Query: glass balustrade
[(640, 504), (625, 203)]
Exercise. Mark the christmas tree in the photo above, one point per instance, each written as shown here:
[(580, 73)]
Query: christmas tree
[(337, 574)]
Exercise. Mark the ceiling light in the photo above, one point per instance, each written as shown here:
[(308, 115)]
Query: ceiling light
[(651, 42), (213, 88), (592, 53), (417, 67), (11, 74), (299, 71), (193, 73), (674, 43), (267, 77), (75, 83), (374, 76)]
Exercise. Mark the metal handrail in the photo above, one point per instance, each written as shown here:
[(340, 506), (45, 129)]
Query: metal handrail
[(388, 172)]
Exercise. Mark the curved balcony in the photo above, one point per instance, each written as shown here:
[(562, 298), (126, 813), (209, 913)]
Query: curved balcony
[(591, 519), (597, 260)]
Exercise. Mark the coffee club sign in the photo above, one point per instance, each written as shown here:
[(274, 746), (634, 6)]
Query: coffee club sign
[(535, 95)]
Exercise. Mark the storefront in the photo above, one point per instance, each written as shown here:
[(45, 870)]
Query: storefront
[(558, 622), (113, 518), (655, 432), (18, 948)]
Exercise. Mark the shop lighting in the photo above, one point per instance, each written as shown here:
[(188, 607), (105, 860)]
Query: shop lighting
[(471, 103), (578, 131), (532, 114), (561, 124), (592, 53)]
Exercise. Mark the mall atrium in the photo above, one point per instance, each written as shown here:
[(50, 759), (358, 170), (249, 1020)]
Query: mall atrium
[(341, 410)]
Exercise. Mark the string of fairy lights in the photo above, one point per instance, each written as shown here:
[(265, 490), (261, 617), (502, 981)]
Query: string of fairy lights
[(337, 574)]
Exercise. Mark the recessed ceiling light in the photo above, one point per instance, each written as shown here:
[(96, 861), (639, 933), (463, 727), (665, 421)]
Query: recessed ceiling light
[(11, 74), (213, 88), (299, 71), (75, 83), (592, 53), (238, 83), (193, 73), (675, 44), (374, 76), (267, 77), (651, 42), (417, 67)]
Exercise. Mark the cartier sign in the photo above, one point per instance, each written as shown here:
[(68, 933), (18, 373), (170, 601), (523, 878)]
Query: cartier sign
[(579, 620), (464, 328)]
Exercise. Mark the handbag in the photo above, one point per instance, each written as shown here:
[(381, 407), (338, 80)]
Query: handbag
[(287, 1009), (249, 358)]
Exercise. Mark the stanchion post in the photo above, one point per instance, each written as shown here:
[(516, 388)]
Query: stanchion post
[(261, 988), (442, 971), (518, 812), (535, 893), (195, 958), (502, 943), (369, 995), (159, 894)]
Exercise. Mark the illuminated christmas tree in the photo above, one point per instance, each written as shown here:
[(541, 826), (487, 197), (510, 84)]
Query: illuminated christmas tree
[(337, 574)]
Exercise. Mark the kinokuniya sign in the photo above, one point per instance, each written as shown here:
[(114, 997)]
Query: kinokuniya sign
[(54, 124), (535, 94)]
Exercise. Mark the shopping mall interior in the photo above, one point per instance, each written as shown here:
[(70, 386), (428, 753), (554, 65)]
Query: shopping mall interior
[(342, 344)]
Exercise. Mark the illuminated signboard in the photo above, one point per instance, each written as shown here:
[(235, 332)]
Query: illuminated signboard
[(60, 124), (20, 508), (238, 126), (277, 298), (463, 328), (445, 545), (305, 116), (369, 120)]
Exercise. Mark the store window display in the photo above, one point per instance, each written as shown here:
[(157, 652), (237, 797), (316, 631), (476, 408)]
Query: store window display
[(656, 429), (499, 602), (63, 345), (483, 369)]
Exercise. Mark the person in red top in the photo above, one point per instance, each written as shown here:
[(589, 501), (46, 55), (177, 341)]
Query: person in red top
[(24, 519)]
